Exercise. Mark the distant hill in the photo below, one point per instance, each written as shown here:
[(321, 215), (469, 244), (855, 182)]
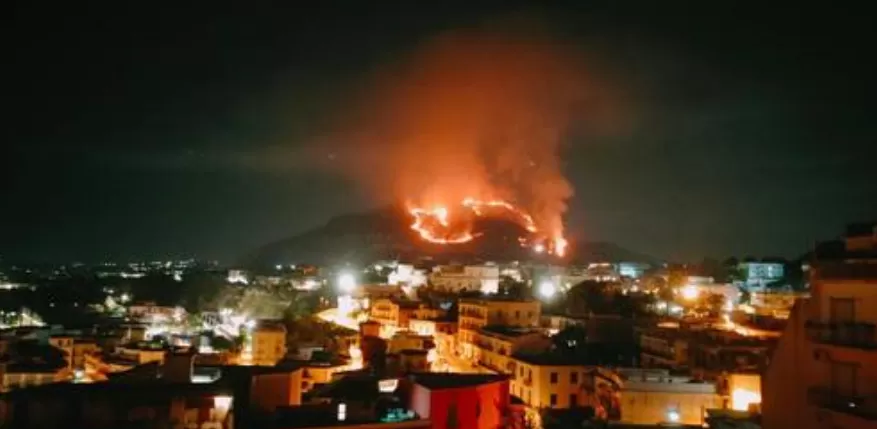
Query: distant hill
[(385, 234)]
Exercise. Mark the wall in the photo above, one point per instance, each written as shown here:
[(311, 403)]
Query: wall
[(270, 391), (269, 347), (652, 407), (480, 407), (784, 392)]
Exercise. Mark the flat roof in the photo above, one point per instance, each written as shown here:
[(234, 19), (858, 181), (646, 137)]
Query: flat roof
[(508, 331), (496, 298), (438, 381), (550, 359)]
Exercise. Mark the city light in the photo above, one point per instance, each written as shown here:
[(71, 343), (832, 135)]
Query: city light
[(673, 416), (346, 282), (222, 404), (547, 289), (742, 399), (690, 292), (342, 412)]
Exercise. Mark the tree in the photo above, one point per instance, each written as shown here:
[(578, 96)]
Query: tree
[(514, 288), (715, 303), (745, 296), (677, 276), (221, 343), (570, 340), (374, 353)]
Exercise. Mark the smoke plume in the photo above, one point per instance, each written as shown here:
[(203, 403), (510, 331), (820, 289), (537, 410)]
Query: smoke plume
[(478, 114)]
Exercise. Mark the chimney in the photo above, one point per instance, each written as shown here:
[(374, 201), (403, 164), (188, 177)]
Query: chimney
[(178, 367)]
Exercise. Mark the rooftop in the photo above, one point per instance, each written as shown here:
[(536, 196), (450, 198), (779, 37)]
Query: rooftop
[(34, 368), (270, 325), (438, 381), (406, 303), (550, 359), (156, 387), (508, 331), (494, 298), (860, 229), (326, 415)]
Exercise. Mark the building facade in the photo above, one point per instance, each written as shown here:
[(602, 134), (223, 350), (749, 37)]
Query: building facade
[(268, 343), (824, 370), (459, 278), (475, 314)]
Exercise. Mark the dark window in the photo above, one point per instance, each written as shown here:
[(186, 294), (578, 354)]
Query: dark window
[(478, 409), (573, 400), (553, 400), (574, 378), (553, 378), (517, 314)]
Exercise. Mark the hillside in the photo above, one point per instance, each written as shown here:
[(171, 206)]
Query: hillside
[(385, 234)]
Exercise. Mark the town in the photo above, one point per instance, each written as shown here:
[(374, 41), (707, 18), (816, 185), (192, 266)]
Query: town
[(403, 344)]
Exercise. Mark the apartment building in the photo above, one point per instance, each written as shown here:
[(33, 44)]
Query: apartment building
[(656, 397), (496, 344), (396, 313), (713, 352), (459, 278), (268, 343), (663, 348), (549, 380), (823, 372), (477, 313)]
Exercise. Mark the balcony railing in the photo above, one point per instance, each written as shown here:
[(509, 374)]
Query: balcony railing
[(847, 334), (485, 346), (491, 367), (827, 398)]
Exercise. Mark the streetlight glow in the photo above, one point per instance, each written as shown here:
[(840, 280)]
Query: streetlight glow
[(346, 282), (690, 292), (547, 289)]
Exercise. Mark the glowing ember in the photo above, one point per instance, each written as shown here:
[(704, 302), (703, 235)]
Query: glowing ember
[(435, 224), (560, 244)]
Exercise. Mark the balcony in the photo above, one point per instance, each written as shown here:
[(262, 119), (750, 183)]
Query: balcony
[(485, 346), (846, 334), (860, 406)]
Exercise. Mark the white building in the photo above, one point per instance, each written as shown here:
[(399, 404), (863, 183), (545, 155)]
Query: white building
[(632, 270), (406, 274), (238, 277), (759, 274), (458, 278)]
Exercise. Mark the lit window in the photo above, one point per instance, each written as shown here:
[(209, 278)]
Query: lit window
[(342, 412)]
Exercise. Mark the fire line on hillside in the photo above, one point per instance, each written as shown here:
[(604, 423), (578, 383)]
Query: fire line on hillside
[(446, 225)]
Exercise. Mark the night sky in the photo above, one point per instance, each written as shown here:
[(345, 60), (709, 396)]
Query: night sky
[(148, 132)]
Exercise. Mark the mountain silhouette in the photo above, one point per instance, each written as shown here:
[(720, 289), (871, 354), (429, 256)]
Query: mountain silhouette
[(385, 233)]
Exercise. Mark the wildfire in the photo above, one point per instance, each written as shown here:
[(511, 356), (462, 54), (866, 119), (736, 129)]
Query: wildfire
[(435, 226)]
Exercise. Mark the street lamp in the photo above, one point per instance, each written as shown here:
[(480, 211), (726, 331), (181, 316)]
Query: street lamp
[(547, 289), (690, 292), (346, 282)]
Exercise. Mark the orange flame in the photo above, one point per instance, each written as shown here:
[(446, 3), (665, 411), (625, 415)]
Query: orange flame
[(434, 225)]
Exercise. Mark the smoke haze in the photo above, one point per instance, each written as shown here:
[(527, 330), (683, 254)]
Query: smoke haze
[(480, 113)]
